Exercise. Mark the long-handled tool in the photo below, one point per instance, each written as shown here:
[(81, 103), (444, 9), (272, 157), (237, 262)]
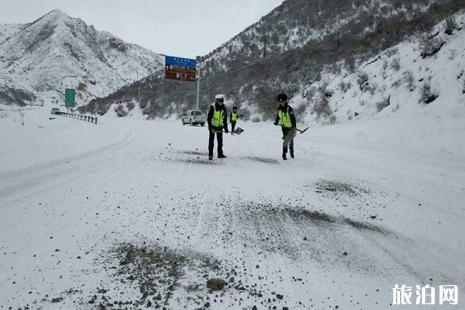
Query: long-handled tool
[(302, 130), (237, 131)]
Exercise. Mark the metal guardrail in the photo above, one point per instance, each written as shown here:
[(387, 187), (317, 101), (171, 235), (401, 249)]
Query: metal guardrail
[(87, 118)]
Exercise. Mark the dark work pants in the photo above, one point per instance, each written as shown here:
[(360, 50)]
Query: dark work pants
[(288, 139), (211, 143), (233, 126)]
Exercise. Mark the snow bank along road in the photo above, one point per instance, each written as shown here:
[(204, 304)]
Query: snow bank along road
[(131, 214)]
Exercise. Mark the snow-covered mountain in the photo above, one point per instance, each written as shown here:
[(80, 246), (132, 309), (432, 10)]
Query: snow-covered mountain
[(300, 24), (290, 47), (286, 50), (422, 78), (58, 51)]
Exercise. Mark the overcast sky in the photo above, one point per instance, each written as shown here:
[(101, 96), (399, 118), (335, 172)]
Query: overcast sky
[(185, 28)]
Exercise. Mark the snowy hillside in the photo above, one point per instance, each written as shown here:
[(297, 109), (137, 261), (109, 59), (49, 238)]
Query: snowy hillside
[(7, 30), (58, 51), (285, 50), (296, 23), (402, 86), (396, 80)]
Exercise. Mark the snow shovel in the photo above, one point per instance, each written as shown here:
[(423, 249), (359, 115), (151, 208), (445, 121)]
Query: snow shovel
[(238, 131), (301, 131)]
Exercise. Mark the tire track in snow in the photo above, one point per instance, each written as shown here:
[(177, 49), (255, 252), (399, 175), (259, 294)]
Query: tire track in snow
[(23, 183), (276, 229)]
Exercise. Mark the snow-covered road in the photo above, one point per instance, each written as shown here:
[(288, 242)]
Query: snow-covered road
[(131, 214)]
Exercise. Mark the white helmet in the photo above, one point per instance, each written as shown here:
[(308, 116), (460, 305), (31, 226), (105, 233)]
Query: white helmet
[(219, 96)]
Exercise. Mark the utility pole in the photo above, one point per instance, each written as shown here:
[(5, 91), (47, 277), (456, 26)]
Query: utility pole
[(138, 83), (198, 83), (264, 45), (138, 88), (338, 12)]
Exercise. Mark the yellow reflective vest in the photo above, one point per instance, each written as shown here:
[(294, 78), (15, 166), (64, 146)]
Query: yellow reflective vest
[(234, 117), (284, 118), (218, 117)]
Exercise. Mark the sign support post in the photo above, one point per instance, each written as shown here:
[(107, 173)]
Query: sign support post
[(198, 87)]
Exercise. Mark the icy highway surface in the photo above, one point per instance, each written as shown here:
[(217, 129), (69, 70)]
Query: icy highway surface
[(130, 214)]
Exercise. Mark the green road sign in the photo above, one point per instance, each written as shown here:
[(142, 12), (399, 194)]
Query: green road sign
[(70, 97)]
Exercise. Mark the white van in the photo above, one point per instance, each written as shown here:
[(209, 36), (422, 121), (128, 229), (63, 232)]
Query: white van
[(194, 117)]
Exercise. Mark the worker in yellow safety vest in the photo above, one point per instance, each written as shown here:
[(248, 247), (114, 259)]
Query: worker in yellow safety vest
[(217, 121), (233, 119), (286, 119)]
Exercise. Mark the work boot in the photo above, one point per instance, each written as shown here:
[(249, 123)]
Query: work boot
[(292, 153), (210, 157), (284, 155), (222, 156)]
